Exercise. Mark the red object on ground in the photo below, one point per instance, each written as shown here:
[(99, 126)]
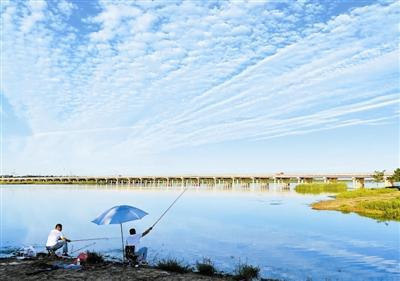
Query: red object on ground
[(82, 257)]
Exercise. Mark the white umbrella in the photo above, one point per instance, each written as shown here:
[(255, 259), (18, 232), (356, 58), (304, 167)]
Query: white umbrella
[(119, 215)]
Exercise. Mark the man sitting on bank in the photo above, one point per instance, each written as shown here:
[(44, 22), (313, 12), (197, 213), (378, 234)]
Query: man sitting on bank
[(56, 240), (132, 244)]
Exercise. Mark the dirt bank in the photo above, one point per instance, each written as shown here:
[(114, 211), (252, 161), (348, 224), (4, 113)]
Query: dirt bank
[(49, 269)]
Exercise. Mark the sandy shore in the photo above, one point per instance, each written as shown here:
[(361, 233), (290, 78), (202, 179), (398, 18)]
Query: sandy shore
[(43, 269)]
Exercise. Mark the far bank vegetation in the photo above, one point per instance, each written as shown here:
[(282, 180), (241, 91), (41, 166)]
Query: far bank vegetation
[(381, 204), (316, 188)]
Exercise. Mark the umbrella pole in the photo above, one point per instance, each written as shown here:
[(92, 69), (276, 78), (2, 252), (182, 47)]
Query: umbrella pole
[(122, 240)]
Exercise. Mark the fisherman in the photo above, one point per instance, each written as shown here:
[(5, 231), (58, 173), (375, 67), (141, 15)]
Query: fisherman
[(132, 245), (56, 240)]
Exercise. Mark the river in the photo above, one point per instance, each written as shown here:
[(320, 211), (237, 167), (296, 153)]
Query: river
[(271, 228)]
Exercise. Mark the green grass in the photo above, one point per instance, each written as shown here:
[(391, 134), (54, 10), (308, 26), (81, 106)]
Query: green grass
[(389, 209), (246, 272), (364, 192), (381, 204), (316, 188), (173, 265), (206, 267)]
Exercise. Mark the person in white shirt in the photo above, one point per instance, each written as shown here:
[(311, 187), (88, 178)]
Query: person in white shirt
[(56, 240), (134, 240)]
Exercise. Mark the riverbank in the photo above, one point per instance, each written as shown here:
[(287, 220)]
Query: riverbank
[(45, 268), (381, 204), (58, 268)]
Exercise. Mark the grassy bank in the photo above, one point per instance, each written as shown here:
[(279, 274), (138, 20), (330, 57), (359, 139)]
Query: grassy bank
[(316, 188), (381, 204), (95, 267)]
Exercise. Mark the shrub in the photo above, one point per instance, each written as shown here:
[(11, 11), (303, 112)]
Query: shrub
[(365, 192), (206, 267), (390, 208), (247, 272), (94, 258), (173, 265)]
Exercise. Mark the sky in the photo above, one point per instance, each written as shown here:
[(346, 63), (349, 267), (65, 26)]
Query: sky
[(196, 87)]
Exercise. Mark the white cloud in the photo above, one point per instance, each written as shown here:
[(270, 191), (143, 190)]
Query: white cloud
[(66, 7), (144, 22), (36, 14), (112, 19), (158, 76)]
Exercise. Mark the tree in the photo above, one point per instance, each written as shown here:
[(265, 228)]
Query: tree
[(378, 176), (395, 177)]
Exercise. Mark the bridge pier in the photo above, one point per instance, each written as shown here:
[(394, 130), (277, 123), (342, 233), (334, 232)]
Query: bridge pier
[(358, 182), (308, 180), (330, 180), (304, 180)]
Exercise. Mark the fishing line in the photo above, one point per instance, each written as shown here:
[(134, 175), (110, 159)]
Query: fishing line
[(170, 207), (91, 239), (84, 247), (76, 240)]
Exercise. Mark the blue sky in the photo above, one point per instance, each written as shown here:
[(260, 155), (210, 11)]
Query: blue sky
[(177, 87)]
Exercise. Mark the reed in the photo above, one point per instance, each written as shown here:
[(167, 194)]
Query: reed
[(385, 209), (381, 204), (364, 192), (316, 188), (206, 267), (173, 265), (246, 272)]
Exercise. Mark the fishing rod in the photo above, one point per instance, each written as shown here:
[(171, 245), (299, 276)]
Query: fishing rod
[(91, 239), (75, 240), (170, 207), (84, 247)]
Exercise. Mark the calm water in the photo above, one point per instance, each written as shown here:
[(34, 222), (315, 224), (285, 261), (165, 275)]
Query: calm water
[(273, 229)]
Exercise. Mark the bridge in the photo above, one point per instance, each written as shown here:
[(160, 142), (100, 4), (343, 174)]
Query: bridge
[(358, 179)]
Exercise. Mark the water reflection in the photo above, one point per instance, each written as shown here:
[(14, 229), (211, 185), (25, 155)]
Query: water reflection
[(272, 227)]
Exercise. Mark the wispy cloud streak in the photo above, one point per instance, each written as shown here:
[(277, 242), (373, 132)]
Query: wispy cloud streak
[(170, 75)]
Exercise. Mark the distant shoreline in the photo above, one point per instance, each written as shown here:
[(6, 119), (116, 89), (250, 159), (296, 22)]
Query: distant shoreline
[(358, 180), (381, 204)]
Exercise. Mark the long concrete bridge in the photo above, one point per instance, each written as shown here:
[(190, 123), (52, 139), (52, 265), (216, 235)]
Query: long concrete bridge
[(358, 179)]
